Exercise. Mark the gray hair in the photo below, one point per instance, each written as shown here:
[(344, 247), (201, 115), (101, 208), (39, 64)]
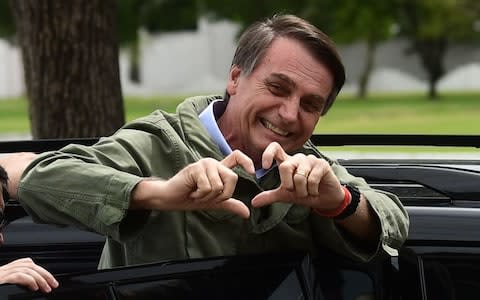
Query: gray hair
[(256, 39)]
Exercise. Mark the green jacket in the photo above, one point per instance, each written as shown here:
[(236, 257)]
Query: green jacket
[(90, 186)]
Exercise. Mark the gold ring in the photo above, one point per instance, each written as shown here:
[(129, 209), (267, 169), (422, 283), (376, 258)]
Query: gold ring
[(304, 174)]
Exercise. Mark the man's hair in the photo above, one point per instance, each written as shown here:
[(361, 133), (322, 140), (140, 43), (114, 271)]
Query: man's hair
[(3, 183), (258, 37)]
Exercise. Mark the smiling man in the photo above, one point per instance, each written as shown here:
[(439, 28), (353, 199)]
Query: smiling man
[(224, 175)]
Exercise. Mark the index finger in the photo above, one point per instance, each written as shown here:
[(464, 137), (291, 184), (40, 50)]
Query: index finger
[(273, 152), (238, 158)]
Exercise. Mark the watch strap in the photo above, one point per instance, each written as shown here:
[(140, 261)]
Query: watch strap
[(351, 208)]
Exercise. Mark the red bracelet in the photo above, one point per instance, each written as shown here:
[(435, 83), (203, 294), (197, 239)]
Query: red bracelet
[(333, 213)]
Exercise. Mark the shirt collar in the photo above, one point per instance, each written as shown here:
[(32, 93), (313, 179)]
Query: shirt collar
[(209, 120), (209, 117)]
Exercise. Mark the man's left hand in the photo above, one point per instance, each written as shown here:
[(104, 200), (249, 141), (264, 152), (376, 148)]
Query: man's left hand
[(305, 179)]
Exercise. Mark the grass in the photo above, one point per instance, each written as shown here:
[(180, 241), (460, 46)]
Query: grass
[(452, 113), (14, 116)]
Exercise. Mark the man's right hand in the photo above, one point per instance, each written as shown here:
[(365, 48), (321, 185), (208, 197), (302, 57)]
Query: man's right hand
[(203, 185)]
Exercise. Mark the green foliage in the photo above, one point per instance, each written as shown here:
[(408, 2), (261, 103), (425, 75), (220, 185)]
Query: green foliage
[(431, 26), (352, 21), (170, 15), (7, 28), (154, 16), (249, 11), (453, 20)]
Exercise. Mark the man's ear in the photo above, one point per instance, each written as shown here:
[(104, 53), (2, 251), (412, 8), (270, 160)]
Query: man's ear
[(233, 78)]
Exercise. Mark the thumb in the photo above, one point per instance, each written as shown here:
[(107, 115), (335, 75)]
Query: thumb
[(267, 197), (235, 206)]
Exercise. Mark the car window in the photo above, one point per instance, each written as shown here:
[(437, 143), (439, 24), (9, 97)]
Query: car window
[(452, 276)]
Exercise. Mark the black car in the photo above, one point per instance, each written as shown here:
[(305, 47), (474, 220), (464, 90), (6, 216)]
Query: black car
[(440, 259)]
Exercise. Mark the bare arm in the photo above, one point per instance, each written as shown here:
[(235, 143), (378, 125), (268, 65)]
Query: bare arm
[(14, 164)]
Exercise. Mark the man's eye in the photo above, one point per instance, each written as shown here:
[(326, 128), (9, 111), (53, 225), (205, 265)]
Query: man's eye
[(312, 106), (276, 89)]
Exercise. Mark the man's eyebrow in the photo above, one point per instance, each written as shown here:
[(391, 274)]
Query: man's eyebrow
[(292, 84), (285, 78)]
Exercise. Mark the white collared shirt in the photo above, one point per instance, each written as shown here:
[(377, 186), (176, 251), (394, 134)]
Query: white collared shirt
[(209, 117)]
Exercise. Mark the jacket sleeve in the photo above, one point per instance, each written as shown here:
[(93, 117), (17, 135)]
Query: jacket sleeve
[(90, 186), (391, 214)]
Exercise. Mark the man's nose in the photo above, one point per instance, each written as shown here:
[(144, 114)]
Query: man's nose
[(289, 109)]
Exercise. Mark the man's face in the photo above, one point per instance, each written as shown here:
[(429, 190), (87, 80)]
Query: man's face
[(281, 100)]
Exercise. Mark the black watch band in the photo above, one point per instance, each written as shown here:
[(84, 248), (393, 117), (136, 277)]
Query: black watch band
[(352, 207)]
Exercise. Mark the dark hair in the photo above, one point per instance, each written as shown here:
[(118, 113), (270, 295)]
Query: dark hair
[(3, 183), (256, 39)]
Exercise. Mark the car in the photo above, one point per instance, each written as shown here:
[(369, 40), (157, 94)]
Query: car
[(439, 260)]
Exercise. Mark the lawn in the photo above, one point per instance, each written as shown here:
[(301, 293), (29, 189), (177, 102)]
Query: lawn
[(449, 114), (455, 113)]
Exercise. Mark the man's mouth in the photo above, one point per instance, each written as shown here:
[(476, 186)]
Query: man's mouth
[(276, 130)]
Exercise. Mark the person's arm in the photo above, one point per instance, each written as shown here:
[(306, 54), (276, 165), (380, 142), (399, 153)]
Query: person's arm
[(14, 164), (21, 271), (311, 181), (206, 184), (97, 187), (25, 272)]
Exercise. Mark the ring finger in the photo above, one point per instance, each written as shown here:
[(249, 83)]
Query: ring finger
[(300, 180)]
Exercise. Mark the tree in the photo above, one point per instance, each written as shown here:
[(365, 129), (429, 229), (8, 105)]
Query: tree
[(431, 25), (70, 56), (344, 20), (152, 16), (248, 11), (369, 21), (7, 29)]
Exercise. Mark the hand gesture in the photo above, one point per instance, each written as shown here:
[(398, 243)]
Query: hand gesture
[(205, 184), (305, 179)]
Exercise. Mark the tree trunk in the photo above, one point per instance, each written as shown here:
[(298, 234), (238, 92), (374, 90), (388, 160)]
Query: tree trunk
[(70, 56), (134, 60), (432, 89), (432, 53), (367, 70)]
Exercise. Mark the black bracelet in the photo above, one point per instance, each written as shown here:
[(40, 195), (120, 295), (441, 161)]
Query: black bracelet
[(4, 184), (352, 207)]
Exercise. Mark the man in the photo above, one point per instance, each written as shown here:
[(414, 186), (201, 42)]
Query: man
[(223, 175), (22, 271)]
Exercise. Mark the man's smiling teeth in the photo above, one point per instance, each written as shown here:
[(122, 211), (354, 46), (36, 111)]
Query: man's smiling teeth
[(274, 129)]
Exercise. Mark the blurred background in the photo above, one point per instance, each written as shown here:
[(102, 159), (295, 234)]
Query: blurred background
[(83, 68)]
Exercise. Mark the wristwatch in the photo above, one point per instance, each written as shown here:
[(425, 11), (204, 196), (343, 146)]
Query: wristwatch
[(352, 207)]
